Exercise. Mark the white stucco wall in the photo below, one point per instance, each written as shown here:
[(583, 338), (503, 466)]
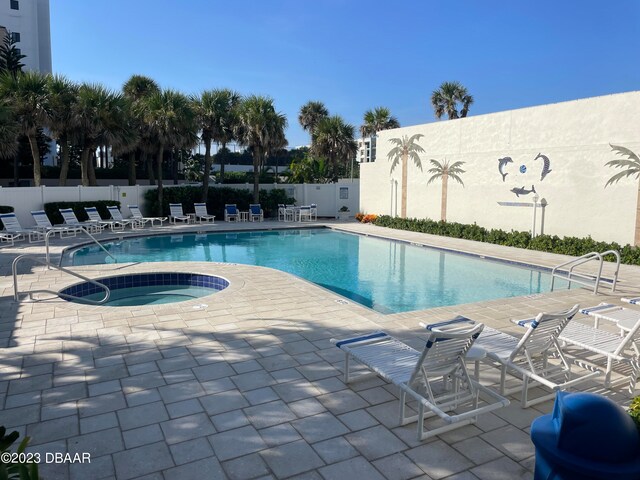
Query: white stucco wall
[(574, 135)]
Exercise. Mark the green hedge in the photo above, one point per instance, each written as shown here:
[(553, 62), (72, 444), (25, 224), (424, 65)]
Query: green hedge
[(216, 199), (545, 243), (52, 208), (5, 209)]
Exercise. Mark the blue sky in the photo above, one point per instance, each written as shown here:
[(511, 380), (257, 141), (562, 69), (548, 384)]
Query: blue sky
[(354, 55)]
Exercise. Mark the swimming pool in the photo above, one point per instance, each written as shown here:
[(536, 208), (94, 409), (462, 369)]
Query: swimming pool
[(388, 276)]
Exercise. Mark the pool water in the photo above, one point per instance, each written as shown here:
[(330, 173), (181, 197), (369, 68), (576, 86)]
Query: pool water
[(385, 275), (151, 295)]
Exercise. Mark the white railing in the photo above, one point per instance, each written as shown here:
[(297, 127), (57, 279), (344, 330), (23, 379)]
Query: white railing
[(566, 271), (34, 258), (54, 231)]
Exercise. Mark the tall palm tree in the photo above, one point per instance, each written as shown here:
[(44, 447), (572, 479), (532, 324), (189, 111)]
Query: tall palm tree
[(10, 56), (630, 168), (217, 118), (172, 121), (9, 130), (100, 119), (310, 114), (376, 120), (29, 98), (63, 94), (261, 129), (444, 170), (334, 139), (136, 89), (405, 148), (447, 97)]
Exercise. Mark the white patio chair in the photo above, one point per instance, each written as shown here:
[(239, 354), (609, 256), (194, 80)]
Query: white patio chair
[(256, 213), (116, 214), (176, 214), (202, 214), (305, 213), (94, 216), (137, 214), (615, 348), (71, 220), (314, 211), (529, 357), (436, 378), (44, 224), (14, 231), (231, 212)]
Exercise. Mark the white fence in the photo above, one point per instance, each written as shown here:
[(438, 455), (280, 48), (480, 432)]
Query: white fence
[(329, 197)]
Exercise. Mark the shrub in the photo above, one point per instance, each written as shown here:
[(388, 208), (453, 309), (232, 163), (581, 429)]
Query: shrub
[(216, 199), (545, 243), (5, 209), (359, 216), (634, 411), (52, 208), (370, 218), (20, 470)]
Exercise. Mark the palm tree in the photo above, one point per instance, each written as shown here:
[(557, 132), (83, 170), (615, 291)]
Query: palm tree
[(100, 119), (9, 131), (136, 90), (172, 121), (376, 120), (261, 129), (630, 168), (334, 139), (10, 56), (63, 94), (445, 171), (405, 148), (310, 114), (447, 97), (217, 118), (28, 95)]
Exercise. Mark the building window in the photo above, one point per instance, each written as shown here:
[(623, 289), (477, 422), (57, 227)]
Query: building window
[(15, 37), (15, 5)]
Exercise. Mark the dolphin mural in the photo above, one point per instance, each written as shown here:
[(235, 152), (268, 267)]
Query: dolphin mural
[(523, 191), (545, 165), (501, 163)]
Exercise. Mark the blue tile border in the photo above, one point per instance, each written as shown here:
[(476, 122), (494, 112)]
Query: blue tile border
[(148, 279)]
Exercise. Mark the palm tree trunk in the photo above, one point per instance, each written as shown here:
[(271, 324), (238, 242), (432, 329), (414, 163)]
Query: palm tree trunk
[(403, 205), (443, 202), (84, 166), (257, 161), (64, 167), (132, 168), (151, 174), (637, 235), (207, 170), (35, 153), (222, 148), (159, 165), (91, 169)]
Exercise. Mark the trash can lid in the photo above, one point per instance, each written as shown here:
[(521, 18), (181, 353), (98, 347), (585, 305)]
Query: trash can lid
[(592, 426)]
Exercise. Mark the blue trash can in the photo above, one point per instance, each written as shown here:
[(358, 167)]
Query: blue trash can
[(587, 437)]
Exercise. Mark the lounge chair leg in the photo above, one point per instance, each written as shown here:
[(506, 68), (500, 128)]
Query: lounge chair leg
[(403, 398), (503, 379), (420, 421), (525, 389), (346, 367), (635, 370), (607, 376)]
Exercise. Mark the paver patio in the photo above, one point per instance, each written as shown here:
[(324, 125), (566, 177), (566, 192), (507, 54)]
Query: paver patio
[(245, 383)]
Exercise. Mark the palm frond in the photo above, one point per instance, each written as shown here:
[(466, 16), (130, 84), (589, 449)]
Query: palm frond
[(625, 151), (620, 175), (622, 164), (455, 177)]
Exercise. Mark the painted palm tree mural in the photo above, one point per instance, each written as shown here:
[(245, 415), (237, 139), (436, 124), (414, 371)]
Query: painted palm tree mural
[(628, 168), (445, 171), (405, 148)]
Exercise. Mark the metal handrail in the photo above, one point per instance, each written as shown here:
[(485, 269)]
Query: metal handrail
[(16, 293), (588, 257), (81, 228)]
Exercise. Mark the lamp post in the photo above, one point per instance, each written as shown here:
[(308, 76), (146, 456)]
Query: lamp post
[(535, 209)]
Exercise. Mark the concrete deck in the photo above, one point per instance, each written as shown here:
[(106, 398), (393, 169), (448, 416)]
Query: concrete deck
[(244, 383)]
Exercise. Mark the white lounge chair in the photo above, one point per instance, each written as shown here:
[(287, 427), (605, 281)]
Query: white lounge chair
[(615, 348), (529, 357), (202, 214), (176, 214), (94, 216), (256, 214), (437, 378), (137, 214), (117, 216), (231, 212), (44, 224), (71, 220), (14, 231), (281, 212)]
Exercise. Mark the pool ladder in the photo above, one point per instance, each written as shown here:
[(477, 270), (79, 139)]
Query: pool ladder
[(81, 228), (46, 263), (565, 271)]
